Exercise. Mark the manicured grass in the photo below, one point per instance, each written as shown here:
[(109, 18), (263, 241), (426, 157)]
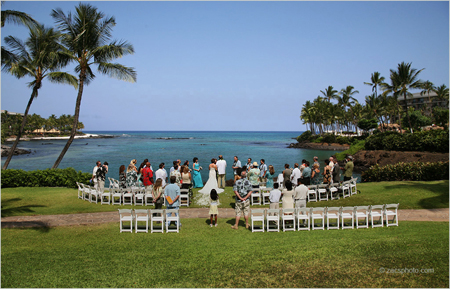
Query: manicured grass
[(200, 256), (47, 201)]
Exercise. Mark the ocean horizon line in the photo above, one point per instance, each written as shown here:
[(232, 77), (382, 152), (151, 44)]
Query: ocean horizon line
[(287, 131)]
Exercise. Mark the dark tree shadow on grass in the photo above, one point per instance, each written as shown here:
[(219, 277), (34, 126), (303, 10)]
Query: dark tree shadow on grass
[(13, 211), (28, 225), (441, 200)]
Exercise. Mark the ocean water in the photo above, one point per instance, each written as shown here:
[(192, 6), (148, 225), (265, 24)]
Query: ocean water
[(167, 146)]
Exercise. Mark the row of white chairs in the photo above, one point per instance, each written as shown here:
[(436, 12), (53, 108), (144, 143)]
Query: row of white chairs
[(335, 218), (322, 192), (139, 196), (142, 219)]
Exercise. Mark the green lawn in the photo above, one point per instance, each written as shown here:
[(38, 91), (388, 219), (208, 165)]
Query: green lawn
[(200, 256), (46, 201)]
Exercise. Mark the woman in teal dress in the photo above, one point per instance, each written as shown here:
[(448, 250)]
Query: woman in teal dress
[(196, 176), (270, 175)]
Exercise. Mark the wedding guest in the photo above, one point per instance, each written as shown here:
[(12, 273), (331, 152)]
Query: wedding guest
[(315, 175), (94, 174), (274, 197), (161, 173), (336, 172), (316, 161), (243, 190), (173, 191), (306, 175), (176, 173), (101, 176), (175, 163), (331, 164), (286, 174), (236, 168), (196, 176), (296, 174), (186, 178), (288, 193), (348, 169), (156, 193), (327, 172), (221, 172), (253, 175), (186, 164), (122, 177), (147, 175), (301, 192), (249, 165), (270, 175), (262, 171), (131, 176)]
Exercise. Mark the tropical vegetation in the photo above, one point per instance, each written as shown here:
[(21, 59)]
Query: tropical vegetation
[(414, 171)]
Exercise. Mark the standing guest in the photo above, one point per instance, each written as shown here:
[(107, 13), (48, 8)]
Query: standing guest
[(316, 161), (133, 162), (236, 168), (300, 195), (175, 163), (186, 178), (122, 177), (306, 175), (262, 171), (274, 197), (286, 174), (315, 175), (336, 172), (161, 173), (173, 191), (176, 173), (221, 171), (147, 175), (101, 176), (270, 175), (288, 193), (141, 166), (249, 164), (243, 190), (131, 176), (253, 176), (213, 209), (197, 177), (156, 193), (331, 164), (186, 164), (348, 169), (94, 174), (327, 173), (296, 174)]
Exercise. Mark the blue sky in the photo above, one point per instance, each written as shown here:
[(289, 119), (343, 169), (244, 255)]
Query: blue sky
[(238, 65)]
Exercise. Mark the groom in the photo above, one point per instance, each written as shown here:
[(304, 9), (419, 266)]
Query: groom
[(221, 170)]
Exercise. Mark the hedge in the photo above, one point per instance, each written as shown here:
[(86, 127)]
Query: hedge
[(43, 178), (414, 171), (430, 141)]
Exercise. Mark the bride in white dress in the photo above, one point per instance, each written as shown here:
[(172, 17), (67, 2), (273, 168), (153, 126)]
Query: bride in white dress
[(210, 184)]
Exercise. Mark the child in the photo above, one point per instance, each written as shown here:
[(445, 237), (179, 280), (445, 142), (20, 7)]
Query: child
[(213, 202)]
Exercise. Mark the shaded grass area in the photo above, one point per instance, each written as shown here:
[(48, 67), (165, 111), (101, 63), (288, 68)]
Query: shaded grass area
[(200, 256), (47, 201)]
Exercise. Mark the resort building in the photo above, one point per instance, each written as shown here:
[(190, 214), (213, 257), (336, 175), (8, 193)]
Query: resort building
[(422, 101)]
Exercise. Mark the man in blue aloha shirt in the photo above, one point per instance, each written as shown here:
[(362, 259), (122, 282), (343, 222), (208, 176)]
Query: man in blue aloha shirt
[(243, 190)]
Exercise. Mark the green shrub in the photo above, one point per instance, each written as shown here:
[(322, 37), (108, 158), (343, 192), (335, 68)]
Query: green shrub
[(43, 178), (431, 141), (354, 148), (415, 171), (304, 136)]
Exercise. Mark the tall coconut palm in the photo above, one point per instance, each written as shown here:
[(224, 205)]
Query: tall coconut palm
[(39, 57), (86, 37), (428, 87), (376, 80), (405, 78), (330, 93), (346, 100), (442, 92)]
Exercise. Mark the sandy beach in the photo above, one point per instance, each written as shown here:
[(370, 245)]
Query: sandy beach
[(90, 135)]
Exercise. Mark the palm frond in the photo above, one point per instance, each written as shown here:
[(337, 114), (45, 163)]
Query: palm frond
[(118, 71), (7, 59), (63, 77), (17, 17), (17, 46)]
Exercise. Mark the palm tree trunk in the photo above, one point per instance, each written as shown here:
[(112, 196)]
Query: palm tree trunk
[(407, 114), (24, 121), (75, 124)]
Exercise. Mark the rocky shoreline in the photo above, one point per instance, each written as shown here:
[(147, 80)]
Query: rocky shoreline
[(17, 151), (319, 146)]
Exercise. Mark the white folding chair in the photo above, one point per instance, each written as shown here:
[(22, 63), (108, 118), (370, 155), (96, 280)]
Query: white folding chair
[(288, 215), (138, 195), (93, 193), (273, 220), (80, 190), (391, 210), (353, 190), (333, 213), (362, 212), (184, 197), (86, 192), (346, 189), (312, 193), (318, 213), (334, 191), (265, 194), (141, 216), (376, 212), (148, 197), (347, 213), (127, 197), (116, 196), (303, 218), (105, 197), (322, 192), (126, 216), (256, 197), (258, 215), (156, 215), (172, 215)]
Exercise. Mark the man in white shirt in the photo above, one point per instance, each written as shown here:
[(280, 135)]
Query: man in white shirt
[(274, 198), (331, 164), (301, 192), (94, 174), (296, 174), (161, 174), (221, 170)]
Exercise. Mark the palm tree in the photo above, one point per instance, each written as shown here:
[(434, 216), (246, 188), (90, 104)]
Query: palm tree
[(376, 80), (442, 92), (85, 38), (404, 79), (330, 93), (39, 57), (347, 100), (428, 87)]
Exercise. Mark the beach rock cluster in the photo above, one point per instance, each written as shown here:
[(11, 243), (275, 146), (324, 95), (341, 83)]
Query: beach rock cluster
[(17, 151), (320, 146)]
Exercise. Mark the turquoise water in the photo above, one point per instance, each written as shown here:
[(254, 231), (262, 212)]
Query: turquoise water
[(160, 146)]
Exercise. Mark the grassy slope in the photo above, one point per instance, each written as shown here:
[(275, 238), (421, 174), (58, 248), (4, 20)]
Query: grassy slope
[(200, 256), (47, 201)]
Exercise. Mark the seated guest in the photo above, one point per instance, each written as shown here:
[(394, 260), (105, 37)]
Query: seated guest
[(274, 197), (300, 195), (306, 176), (288, 193)]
